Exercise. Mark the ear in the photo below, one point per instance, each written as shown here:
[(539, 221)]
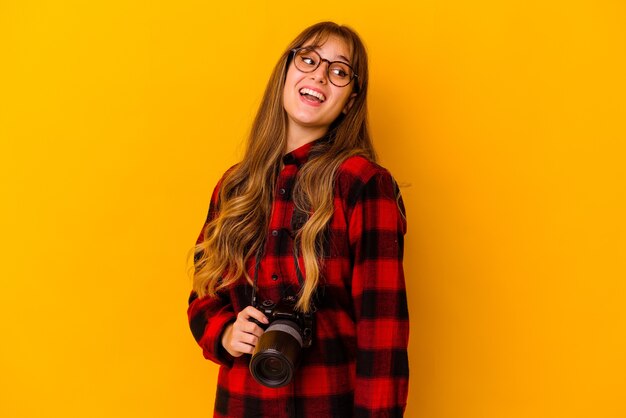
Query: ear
[(349, 103)]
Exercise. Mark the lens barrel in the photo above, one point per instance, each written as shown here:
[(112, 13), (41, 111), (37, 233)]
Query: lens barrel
[(277, 354)]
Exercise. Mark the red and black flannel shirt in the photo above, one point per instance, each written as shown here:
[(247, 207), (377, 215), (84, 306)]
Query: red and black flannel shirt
[(357, 365)]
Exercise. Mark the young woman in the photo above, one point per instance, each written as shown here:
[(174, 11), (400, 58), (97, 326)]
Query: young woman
[(305, 235)]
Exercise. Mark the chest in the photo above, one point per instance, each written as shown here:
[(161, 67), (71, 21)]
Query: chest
[(281, 270)]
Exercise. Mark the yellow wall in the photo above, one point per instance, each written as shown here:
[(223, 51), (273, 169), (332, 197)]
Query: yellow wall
[(506, 119)]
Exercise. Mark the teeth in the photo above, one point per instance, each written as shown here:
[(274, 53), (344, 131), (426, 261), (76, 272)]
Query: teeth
[(313, 93)]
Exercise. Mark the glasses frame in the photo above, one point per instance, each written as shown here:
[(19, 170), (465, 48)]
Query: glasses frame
[(296, 50)]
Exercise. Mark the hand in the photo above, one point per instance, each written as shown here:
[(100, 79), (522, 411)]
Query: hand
[(241, 336)]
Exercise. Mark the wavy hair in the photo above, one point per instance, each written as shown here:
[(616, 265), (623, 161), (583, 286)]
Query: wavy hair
[(236, 231)]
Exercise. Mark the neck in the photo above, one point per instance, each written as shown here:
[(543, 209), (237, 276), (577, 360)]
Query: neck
[(298, 136)]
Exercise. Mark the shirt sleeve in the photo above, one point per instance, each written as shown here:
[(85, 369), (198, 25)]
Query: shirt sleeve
[(376, 231), (208, 316)]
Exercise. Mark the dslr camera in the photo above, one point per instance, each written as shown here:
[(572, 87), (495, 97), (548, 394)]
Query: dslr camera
[(277, 354)]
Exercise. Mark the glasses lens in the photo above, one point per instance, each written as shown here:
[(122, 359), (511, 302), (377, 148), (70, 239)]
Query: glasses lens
[(307, 60), (340, 74)]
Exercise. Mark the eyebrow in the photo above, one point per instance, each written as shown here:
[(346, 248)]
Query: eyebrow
[(344, 58), (341, 57)]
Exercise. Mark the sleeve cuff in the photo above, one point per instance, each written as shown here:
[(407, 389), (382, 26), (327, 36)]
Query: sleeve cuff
[(211, 342)]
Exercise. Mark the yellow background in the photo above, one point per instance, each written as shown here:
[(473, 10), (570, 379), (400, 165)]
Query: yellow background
[(504, 120)]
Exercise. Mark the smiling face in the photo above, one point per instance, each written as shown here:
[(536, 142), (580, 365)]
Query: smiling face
[(311, 101)]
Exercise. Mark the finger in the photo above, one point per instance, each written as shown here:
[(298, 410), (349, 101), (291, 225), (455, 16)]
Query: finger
[(243, 347), (251, 328), (239, 343), (252, 312), (247, 326), (246, 338)]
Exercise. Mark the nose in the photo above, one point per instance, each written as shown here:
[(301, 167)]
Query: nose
[(321, 72)]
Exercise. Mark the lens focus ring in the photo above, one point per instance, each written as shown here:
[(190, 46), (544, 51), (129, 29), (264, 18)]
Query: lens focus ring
[(289, 327)]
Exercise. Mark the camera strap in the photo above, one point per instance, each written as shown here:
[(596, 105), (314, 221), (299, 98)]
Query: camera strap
[(257, 263)]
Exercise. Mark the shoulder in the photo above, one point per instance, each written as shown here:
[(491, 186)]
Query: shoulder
[(360, 169), (358, 175), (221, 180), (228, 172), (216, 194)]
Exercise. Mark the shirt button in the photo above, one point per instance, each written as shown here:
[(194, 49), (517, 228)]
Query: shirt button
[(282, 191), (275, 233), (274, 277)]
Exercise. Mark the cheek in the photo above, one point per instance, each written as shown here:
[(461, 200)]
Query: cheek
[(288, 87), (292, 77), (343, 97)]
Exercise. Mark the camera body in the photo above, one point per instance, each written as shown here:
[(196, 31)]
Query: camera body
[(285, 310), (277, 354)]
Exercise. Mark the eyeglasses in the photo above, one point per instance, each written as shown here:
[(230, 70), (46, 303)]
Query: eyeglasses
[(307, 60)]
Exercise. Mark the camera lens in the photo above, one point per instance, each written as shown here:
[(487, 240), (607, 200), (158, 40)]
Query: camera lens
[(273, 369), (277, 354)]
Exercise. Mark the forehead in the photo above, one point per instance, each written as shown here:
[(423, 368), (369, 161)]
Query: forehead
[(331, 47)]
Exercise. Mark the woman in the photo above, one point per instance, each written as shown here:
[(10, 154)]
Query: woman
[(309, 218)]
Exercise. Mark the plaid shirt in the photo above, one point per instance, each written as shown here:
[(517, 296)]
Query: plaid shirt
[(357, 365)]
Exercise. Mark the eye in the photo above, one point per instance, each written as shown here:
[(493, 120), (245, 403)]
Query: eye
[(340, 71), (307, 58)]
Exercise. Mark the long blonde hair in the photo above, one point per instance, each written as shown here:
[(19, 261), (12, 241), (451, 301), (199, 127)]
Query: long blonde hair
[(236, 232)]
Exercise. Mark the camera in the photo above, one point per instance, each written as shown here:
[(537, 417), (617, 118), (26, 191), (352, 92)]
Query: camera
[(277, 354)]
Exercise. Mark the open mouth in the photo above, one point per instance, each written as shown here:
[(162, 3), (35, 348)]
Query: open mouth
[(312, 95)]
